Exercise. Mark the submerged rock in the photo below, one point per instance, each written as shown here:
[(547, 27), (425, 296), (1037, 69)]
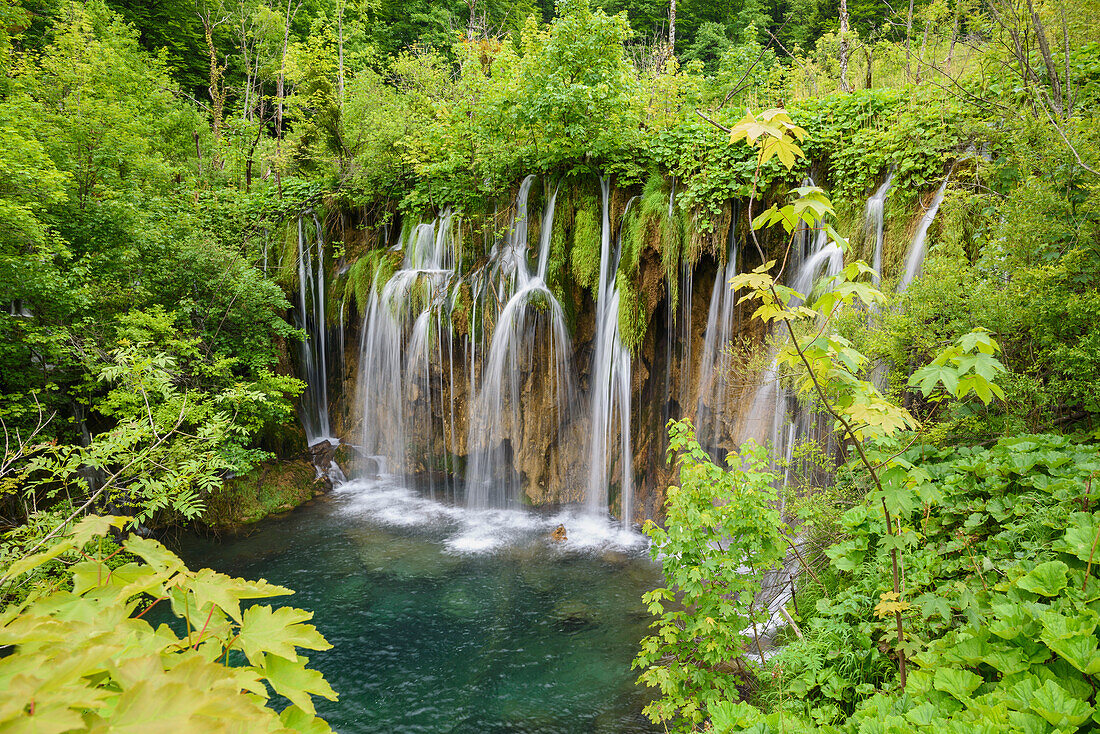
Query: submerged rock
[(571, 615)]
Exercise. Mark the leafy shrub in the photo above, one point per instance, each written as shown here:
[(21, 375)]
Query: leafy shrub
[(999, 557), (722, 535), (86, 660)]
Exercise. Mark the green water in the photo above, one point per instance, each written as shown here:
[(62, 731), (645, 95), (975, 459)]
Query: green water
[(443, 621)]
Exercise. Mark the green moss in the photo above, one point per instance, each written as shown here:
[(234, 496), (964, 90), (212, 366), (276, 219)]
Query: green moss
[(632, 315), (461, 310), (586, 244), (370, 271), (962, 218), (633, 239), (358, 281), (653, 226), (899, 225), (286, 270), (558, 267), (269, 488)]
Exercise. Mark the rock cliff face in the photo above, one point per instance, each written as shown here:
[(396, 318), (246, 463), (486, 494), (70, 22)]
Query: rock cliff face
[(548, 456), (533, 351), (429, 312)]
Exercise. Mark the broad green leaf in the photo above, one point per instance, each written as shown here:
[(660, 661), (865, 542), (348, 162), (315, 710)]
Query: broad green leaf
[(1046, 579), (155, 554), (295, 719), (925, 714), (1009, 661), (1052, 703), (278, 631), (958, 683), (1081, 652), (292, 679), (1082, 538), (96, 526), (34, 561)]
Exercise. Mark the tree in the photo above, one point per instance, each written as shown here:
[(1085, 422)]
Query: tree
[(843, 53), (211, 17), (672, 27)]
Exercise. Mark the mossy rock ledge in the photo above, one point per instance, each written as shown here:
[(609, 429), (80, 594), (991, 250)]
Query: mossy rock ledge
[(271, 488)]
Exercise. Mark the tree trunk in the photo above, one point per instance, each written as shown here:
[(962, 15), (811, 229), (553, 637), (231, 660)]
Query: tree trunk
[(217, 87), (908, 43), (844, 46), (672, 28), (280, 81), (471, 24), (1053, 81), (340, 28), (923, 45), (954, 38), (1069, 98), (248, 160), (248, 49)]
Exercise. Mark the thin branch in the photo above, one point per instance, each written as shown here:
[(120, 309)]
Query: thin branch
[(107, 483), (718, 125), (742, 83), (1069, 145)]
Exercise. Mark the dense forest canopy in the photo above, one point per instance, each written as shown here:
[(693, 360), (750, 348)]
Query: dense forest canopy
[(158, 161)]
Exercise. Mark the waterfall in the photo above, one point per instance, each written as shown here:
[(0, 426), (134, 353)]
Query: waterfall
[(713, 386), (398, 351), (530, 353), (311, 320), (511, 255), (915, 260), (874, 220), (824, 260), (609, 382)]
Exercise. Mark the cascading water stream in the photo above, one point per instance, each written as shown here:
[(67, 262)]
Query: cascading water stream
[(915, 259), (774, 415), (512, 256), (874, 221), (712, 400), (397, 353), (609, 383), (311, 319), (825, 260), (530, 344)]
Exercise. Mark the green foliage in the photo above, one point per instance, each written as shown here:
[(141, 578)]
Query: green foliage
[(965, 367), (722, 535), (998, 565), (85, 660), (1062, 328), (17, 543), (916, 521), (576, 96)]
